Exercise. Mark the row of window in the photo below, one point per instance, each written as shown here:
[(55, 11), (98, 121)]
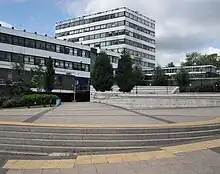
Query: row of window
[(122, 41), (34, 60), (113, 59), (142, 63), (105, 17), (189, 69), (26, 42), (104, 26), (133, 53), (112, 33)]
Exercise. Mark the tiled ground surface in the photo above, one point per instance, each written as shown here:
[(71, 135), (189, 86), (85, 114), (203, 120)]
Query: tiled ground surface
[(197, 162), (19, 115)]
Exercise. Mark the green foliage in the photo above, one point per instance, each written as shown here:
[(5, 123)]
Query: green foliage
[(30, 100), (38, 75), (2, 100), (171, 64), (19, 85), (182, 78), (138, 75), (102, 73), (159, 77), (124, 74), (49, 76), (201, 59)]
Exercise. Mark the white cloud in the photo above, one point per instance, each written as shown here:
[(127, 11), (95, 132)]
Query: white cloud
[(181, 26), (5, 24)]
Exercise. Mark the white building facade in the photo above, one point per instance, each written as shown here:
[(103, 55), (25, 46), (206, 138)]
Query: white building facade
[(115, 30), (71, 60)]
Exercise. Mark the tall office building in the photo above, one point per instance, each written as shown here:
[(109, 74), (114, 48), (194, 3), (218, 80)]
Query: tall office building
[(117, 30)]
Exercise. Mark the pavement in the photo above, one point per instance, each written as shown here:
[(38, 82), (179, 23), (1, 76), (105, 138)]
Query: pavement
[(194, 158)]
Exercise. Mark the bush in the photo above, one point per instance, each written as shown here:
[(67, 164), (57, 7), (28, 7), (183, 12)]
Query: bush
[(11, 103), (31, 100), (2, 100)]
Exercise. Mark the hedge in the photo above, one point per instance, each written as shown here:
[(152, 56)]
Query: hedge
[(2, 100), (31, 100)]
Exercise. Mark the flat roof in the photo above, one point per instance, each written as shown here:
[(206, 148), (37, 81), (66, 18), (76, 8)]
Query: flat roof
[(102, 12)]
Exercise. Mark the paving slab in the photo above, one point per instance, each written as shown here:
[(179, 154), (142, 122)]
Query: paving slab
[(93, 113)]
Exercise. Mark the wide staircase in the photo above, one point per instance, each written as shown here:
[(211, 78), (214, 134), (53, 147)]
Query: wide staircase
[(64, 141)]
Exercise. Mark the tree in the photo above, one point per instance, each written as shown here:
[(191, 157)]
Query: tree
[(38, 75), (159, 77), (171, 64), (182, 78), (49, 76), (19, 84), (201, 59), (138, 75), (102, 73), (124, 74)]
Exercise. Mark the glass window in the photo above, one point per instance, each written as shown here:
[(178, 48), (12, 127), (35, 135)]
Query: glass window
[(51, 47), (87, 54), (97, 36), (39, 61), (103, 26), (121, 14), (58, 48), (92, 37), (29, 60), (66, 50), (92, 28), (18, 41), (61, 49), (40, 45), (103, 35), (127, 14), (86, 29), (86, 37), (79, 52), (121, 23), (83, 53), (4, 56), (17, 58), (59, 64), (75, 51), (30, 43), (97, 27), (4, 38), (102, 44), (68, 65), (71, 51)]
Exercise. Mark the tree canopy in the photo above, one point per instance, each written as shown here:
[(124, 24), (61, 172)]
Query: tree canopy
[(196, 58), (159, 78), (171, 64), (102, 73), (182, 78), (49, 75), (124, 74)]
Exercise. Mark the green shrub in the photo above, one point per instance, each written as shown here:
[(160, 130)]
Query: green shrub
[(31, 100), (2, 100), (11, 103)]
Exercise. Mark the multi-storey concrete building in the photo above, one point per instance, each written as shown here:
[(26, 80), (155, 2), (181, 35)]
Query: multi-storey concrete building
[(116, 30), (71, 60)]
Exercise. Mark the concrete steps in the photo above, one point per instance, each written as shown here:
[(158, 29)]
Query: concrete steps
[(42, 141)]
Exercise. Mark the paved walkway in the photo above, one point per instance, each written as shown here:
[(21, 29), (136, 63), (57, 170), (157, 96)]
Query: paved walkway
[(95, 113), (195, 158)]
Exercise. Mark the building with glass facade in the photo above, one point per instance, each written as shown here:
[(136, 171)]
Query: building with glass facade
[(116, 30)]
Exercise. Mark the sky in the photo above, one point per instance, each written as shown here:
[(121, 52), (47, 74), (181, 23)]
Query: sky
[(182, 26)]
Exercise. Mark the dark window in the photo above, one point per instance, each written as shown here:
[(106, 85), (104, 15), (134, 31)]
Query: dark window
[(17, 58), (18, 41), (68, 65), (5, 56), (50, 47), (66, 50), (40, 45), (87, 54), (39, 61), (79, 52), (59, 64), (30, 43), (29, 60), (61, 49), (5, 38)]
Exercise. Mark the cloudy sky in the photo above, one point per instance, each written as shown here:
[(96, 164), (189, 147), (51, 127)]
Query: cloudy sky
[(182, 26)]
